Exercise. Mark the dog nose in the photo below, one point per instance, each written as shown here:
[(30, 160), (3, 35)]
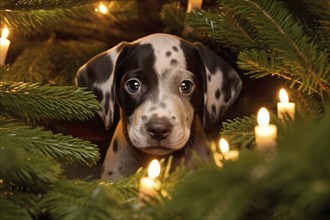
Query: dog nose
[(159, 128)]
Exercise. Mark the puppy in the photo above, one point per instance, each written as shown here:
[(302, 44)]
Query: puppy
[(167, 92)]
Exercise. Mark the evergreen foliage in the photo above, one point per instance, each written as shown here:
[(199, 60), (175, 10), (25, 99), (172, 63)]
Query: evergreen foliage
[(268, 37), (32, 101)]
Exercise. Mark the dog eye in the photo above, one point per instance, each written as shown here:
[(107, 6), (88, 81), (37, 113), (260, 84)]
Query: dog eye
[(186, 87), (133, 86)]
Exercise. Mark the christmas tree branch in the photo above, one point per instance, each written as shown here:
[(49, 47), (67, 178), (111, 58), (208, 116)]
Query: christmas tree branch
[(33, 64), (40, 21), (240, 131), (223, 27), (30, 170), (173, 16), (260, 63), (45, 4), (78, 52), (61, 148), (74, 199), (11, 210), (32, 101), (278, 28)]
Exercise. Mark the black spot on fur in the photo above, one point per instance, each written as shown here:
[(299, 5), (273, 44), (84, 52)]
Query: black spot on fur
[(227, 95), (99, 68), (99, 94), (168, 53), (214, 109), (209, 77), (173, 62), (110, 172), (175, 48), (217, 94), (115, 145)]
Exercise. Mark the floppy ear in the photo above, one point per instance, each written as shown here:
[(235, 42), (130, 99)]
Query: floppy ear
[(98, 76), (221, 85)]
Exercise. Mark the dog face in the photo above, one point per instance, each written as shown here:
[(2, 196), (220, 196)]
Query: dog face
[(160, 83)]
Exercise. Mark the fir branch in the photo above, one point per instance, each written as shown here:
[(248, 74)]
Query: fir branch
[(73, 20), (29, 201), (32, 22), (240, 131), (173, 16), (278, 28), (30, 170), (260, 63), (32, 101), (33, 64), (225, 28), (108, 27), (37, 4), (11, 210), (60, 147), (4, 69), (84, 200), (77, 52)]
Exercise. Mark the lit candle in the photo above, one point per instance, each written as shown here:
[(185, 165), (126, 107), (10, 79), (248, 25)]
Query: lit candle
[(4, 45), (194, 4), (149, 186), (285, 107), (265, 133), (226, 152)]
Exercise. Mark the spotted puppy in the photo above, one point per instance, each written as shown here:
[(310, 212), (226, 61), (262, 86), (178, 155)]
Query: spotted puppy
[(167, 92)]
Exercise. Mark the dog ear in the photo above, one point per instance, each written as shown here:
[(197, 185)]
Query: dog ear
[(221, 86), (98, 76)]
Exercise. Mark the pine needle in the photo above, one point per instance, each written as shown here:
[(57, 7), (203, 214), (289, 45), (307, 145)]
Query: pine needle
[(62, 148), (32, 101)]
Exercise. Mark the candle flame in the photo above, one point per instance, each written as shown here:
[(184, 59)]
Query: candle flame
[(5, 33), (154, 169), (224, 146), (284, 96), (263, 117)]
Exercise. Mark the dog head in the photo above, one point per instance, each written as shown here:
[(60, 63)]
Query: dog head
[(160, 82)]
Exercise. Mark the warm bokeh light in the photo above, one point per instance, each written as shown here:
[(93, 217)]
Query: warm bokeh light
[(102, 9), (284, 96), (5, 33), (263, 117), (154, 169), (224, 146)]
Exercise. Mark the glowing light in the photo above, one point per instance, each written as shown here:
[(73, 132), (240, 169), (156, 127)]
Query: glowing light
[(102, 9), (224, 146), (284, 96), (5, 33), (263, 117), (154, 169)]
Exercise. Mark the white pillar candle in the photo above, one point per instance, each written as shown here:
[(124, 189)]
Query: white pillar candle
[(285, 107), (4, 45), (149, 186), (194, 4), (226, 152), (265, 133)]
